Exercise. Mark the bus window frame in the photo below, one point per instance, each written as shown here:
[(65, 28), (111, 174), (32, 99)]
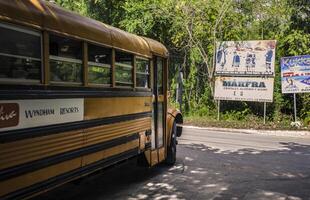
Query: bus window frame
[(45, 71), (160, 98), (76, 61), (102, 85), (70, 60), (149, 87), (98, 85), (132, 67), (30, 31)]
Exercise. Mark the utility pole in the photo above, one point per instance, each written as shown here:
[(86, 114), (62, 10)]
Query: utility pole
[(180, 88)]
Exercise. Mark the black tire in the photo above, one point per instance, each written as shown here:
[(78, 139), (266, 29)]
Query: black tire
[(142, 161), (172, 148)]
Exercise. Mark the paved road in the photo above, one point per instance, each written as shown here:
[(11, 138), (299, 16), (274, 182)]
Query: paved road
[(210, 165)]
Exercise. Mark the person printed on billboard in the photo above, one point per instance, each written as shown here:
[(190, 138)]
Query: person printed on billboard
[(221, 56), (247, 61), (236, 61), (291, 84), (268, 56), (253, 61), (250, 61)]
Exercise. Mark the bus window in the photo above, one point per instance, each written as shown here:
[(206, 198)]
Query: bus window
[(159, 75), (160, 107), (142, 73), (99, 65), (65, 59), (123, 69), (160, 118), (20, 53)]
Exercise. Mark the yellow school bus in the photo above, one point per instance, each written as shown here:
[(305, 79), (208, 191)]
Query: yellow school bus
[(76, 95)]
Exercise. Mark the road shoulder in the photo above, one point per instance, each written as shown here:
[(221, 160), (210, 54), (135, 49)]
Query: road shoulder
[(286, 133)]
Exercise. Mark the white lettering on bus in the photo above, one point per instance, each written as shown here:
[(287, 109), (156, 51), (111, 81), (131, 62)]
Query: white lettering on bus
[(6, 116), (40, 112)]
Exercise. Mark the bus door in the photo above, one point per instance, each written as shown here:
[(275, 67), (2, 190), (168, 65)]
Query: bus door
[(158, 108)]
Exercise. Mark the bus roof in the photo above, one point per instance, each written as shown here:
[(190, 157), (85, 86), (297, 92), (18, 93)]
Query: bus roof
[(50, 17)]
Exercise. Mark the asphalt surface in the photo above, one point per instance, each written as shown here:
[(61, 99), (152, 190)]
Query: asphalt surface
[(210, 165)]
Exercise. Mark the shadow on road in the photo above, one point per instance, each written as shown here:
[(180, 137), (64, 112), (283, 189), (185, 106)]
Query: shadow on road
[(252, 174), (202, 172)]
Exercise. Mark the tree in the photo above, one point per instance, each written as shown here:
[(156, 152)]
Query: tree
[(190, 29)]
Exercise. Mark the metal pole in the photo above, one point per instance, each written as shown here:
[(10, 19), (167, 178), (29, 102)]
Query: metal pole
[(295, 110), (265, 105), (218, 109), (177, 93), (180, 92)]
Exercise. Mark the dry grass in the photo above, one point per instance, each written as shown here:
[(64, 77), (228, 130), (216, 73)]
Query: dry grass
[(250, 122)]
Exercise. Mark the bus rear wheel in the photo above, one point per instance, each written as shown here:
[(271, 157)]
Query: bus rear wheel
[(172, 148)]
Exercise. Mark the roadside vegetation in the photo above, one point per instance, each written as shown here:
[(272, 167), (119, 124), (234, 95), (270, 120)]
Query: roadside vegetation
[(249, 121), (190, 28)]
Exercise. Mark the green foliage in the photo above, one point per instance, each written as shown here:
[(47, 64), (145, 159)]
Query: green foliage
[(79, 6), (107, 11), (307, 119), (235, 115), (189, 29), (295, 43), (304, 111)]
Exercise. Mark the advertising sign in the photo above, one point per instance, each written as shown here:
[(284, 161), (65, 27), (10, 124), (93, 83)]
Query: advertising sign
[(18, 114), (295, 74), (244, 89), (245, 58)]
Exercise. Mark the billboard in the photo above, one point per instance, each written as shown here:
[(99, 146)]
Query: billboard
[(244, 89), (245, 58), (295, 74)]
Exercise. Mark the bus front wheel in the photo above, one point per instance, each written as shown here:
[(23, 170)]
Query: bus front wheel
[(172, 148)]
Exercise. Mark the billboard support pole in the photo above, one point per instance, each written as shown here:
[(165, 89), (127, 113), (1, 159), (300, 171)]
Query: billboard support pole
[(218, 109), (295, 111), (177, 93), (265, 105)]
